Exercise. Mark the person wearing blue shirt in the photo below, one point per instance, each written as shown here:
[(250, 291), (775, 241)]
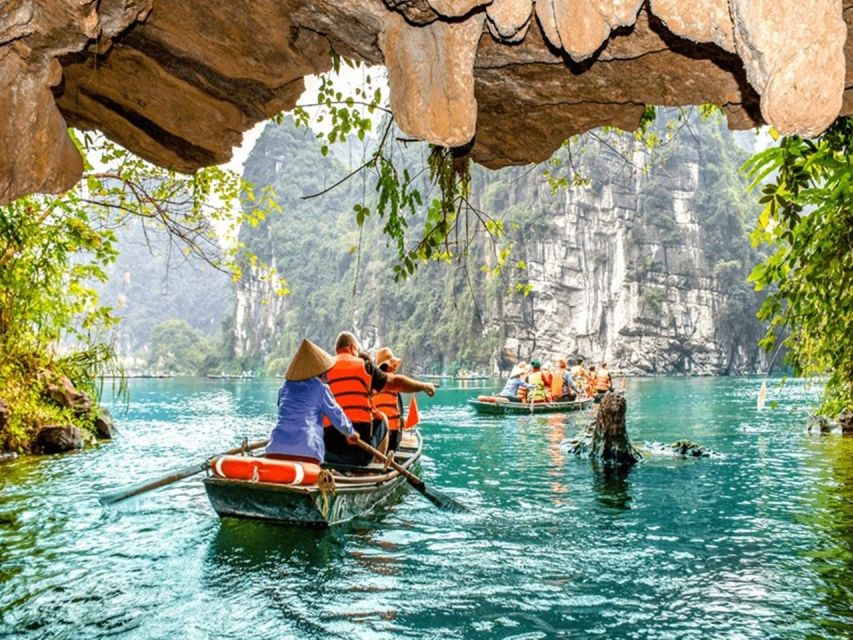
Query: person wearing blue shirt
[(303, 401), (515, 383)]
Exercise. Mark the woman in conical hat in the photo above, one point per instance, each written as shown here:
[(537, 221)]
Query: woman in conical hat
[(303, 400), (516, 382)]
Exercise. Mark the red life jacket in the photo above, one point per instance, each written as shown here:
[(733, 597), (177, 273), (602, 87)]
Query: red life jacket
[(387, 403), (350, 384)]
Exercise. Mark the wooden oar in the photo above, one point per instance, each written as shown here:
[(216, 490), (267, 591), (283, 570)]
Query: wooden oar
[(180, 474), (438, 499)]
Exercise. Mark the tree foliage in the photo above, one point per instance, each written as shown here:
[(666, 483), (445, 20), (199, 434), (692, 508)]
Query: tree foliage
[(401, 193), (54, 250), (807, 222)]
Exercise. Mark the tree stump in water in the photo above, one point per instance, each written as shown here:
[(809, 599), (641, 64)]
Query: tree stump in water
[(607, 438)]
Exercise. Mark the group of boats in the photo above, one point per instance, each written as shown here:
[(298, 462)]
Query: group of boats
[(244, 484)]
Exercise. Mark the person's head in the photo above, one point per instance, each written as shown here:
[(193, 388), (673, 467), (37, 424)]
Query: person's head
[(580, 361), (592, 367), (346, 343), (562, 364), (535, 365), (518, 370), (603, 365), (387, 361)]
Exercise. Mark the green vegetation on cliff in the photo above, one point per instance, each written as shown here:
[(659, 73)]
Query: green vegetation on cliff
[(458, 313)]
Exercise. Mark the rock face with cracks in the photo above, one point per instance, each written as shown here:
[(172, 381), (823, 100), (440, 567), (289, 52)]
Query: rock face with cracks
[(508, 80)]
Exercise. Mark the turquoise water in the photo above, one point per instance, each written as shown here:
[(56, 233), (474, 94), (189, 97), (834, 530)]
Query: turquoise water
[(754, 542)]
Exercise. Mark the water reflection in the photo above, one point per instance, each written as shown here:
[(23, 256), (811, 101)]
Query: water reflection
[(755, 543), (554, 436), (832, 516), (610, 483), (245, 545)]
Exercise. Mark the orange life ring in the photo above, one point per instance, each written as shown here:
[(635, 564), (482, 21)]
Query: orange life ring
[(266, 470)]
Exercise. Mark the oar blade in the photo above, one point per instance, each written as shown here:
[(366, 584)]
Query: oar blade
[(442, 501)]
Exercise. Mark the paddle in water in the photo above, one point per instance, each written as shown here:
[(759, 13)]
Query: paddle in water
[(438, 499), (174, 476)]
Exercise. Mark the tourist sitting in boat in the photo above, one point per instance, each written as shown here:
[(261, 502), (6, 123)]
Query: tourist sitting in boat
[(535, 378), (304, 400), (603, 380), (547, 377), (353, 379), (590, 381), (390, 403), (578, 374), (562, 385), (516, 383)]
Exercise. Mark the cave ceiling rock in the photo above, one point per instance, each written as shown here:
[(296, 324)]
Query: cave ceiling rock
[(178, 83), (431, 77), (509, 20), (793, 53), (38, 155)]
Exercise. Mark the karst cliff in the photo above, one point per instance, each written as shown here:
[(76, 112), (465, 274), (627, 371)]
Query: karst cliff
[(644, 266), (508, 80)]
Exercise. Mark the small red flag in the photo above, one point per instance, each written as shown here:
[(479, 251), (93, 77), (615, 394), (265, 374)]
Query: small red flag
[(413, 418)]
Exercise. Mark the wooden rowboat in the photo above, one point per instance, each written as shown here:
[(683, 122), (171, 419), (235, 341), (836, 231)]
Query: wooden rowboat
[(521, 408), (356, 492)]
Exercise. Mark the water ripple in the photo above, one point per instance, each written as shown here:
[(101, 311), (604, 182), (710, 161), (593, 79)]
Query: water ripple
[(755, 542)]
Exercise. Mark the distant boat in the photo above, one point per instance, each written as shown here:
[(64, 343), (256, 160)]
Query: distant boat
[(246, 375), (459, 376), (493, 405), (356, 492)]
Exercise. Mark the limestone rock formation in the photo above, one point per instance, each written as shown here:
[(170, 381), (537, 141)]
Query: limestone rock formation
[(645, 270), (178, 83)]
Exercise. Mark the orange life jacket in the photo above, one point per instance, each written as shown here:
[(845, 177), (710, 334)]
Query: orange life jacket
[(602, 380), (387, 403), (557, 383), (350, 384)]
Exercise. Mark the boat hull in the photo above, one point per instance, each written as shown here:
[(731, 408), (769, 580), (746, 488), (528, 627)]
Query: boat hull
[(524, 408), (309, 506)]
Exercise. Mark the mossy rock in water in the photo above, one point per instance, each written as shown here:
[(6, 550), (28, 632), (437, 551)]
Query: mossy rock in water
[(58, 439), (688, 449), (104, 424), (845, 420)]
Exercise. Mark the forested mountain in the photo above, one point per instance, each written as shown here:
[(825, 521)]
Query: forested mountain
[(152, 283), (638, 261)]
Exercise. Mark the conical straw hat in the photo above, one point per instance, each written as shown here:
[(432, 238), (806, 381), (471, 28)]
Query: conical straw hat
[(518, 369), (310, 361), (386, 355)]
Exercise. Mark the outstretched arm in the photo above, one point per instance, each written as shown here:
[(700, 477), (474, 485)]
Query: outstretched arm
[(405, 384)]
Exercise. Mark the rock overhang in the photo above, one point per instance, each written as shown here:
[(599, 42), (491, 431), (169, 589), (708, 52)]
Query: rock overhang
[(509, 80)]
